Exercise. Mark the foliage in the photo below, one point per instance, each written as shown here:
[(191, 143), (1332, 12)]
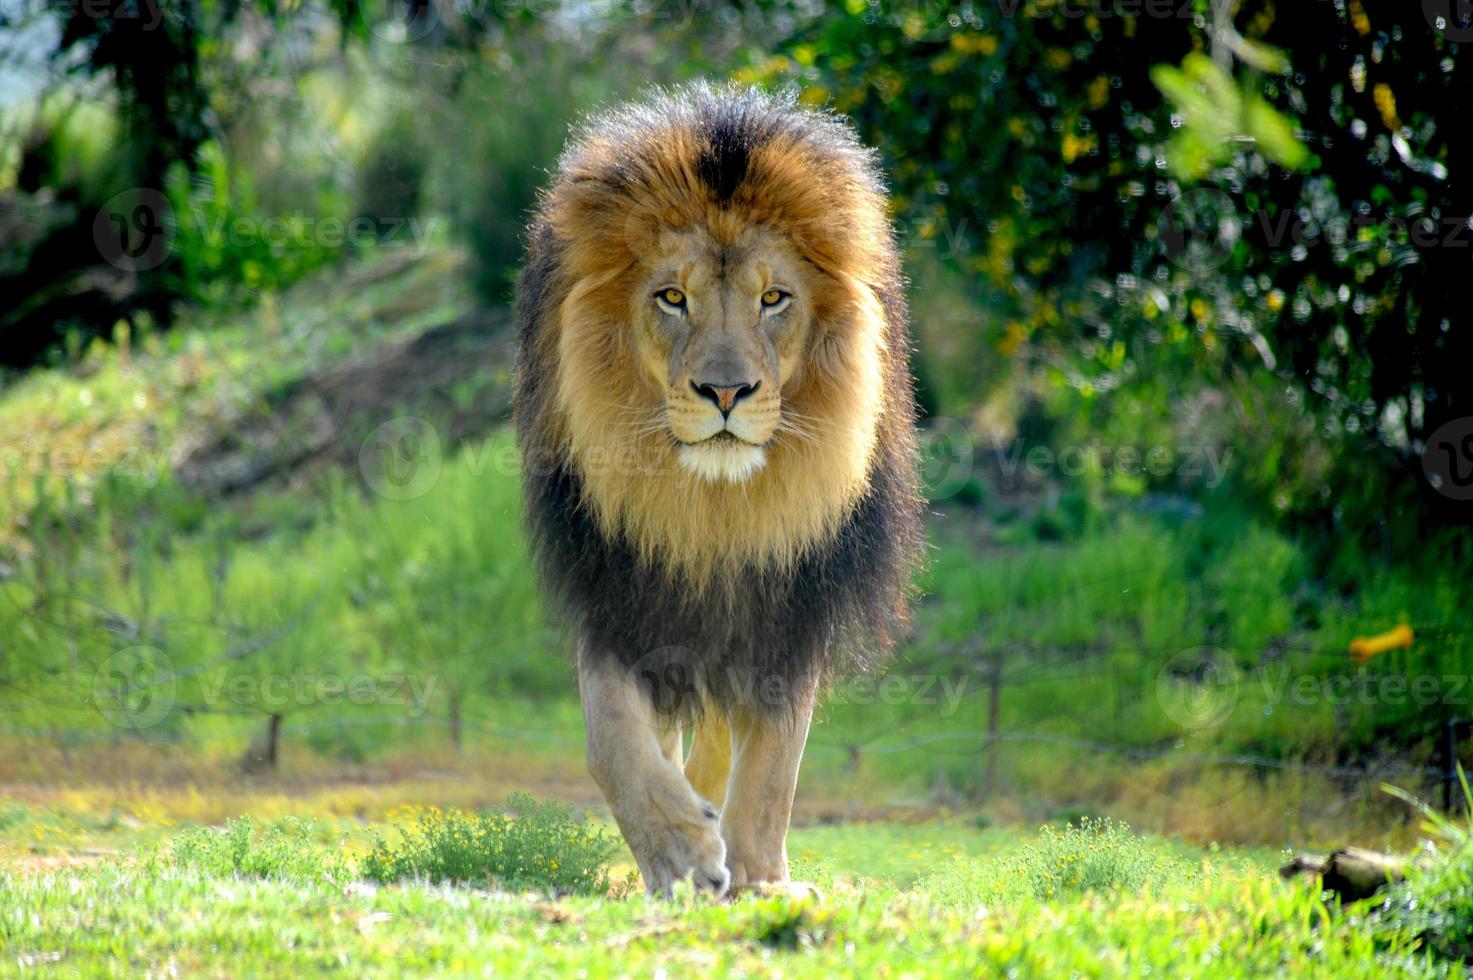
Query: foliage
[(225, 245), (522, 132), (275, 628), (541, 847), (1092, 855), (1283, 214), (1086, 599), (1435, 903), (285, 850)]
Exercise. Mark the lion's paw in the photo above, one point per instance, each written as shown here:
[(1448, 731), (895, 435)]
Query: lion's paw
[(673, 843)]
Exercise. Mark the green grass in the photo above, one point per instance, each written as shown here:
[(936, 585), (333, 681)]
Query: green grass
[(959, 901), (539, 846)]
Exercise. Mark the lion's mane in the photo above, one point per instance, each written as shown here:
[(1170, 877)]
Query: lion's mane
[(725, 594)]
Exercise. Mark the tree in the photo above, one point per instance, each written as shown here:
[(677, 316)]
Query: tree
[(1128, 240)]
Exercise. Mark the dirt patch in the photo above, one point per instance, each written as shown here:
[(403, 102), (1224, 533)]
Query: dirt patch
[(456, 375)]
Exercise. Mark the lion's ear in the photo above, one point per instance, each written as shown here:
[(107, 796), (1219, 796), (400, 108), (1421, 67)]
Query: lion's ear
[(604, 227)]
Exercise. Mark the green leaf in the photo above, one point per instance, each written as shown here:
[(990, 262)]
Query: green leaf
[(1275, 134)]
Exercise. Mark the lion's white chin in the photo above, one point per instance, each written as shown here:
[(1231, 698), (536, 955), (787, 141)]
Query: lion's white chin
[(723, 459)]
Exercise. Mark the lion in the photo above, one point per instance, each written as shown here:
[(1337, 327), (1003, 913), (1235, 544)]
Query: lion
[(717, 425)]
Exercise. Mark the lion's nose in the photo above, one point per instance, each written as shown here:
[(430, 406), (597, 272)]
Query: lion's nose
[(725, 394)]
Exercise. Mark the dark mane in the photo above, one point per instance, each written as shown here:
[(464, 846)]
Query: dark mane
[(765, 633)]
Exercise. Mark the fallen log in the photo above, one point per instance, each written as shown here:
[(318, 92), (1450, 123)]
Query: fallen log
[(1352, 873)]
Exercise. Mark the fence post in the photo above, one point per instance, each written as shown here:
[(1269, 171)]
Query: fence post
[(1450, 786), (994, 707)]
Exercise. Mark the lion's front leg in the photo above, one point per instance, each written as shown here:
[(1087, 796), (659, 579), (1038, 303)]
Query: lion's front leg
[(766, 752), (634, 756)]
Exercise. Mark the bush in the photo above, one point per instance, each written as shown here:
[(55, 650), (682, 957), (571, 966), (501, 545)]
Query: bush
[(1438, 906), (1435, 904), (540, 848), (1094, 855), (285, 850)]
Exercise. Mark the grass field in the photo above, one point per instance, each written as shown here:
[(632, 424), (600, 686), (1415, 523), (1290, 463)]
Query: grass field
[(935, 897), (200, 504)]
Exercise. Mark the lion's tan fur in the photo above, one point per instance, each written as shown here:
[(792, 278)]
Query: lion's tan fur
[(632, 477), (717, 426)]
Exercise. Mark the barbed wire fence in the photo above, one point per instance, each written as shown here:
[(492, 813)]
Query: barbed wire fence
[(999, 671), (970, 743)]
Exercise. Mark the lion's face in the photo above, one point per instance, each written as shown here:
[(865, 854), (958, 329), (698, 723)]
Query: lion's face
[(713, 339), (721, 330)]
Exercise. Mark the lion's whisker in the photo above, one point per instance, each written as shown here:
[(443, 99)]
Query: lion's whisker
[(784, 428)]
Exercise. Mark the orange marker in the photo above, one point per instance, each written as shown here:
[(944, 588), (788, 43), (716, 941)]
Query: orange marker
[(1363, 648)]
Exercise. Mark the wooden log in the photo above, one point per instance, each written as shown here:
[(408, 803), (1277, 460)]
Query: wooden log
[(1352, 873)]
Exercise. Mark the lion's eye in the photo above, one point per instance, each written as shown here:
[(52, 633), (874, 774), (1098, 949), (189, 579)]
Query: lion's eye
[(774, 300), (671, 300)]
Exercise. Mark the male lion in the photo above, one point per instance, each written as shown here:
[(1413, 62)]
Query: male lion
[(716, 421)]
